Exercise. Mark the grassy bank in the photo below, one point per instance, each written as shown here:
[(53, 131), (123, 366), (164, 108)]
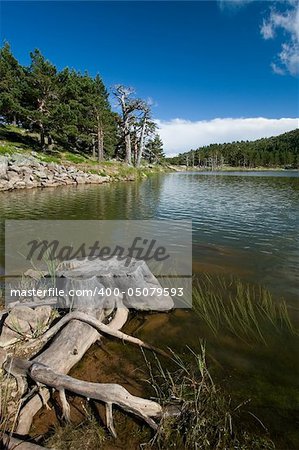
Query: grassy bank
[(14, 140)]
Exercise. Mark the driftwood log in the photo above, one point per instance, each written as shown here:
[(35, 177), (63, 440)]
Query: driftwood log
[(69, 339), (12, 443)]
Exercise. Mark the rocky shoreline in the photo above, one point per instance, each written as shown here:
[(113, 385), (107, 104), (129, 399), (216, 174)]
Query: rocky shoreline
[(26, 172)]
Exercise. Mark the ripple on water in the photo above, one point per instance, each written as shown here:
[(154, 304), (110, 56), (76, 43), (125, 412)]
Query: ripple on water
[(252, 214)]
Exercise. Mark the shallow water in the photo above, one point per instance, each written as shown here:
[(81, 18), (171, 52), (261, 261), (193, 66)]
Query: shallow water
[(244, 224)]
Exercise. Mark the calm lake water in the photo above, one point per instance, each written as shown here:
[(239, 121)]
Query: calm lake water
[(244, 224)]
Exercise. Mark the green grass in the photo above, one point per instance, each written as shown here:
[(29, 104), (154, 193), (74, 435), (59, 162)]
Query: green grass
[(246, 311)]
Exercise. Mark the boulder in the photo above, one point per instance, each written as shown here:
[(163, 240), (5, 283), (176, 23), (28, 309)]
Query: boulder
[(12, 176), (24, 323), (4, 185), (3, 166), (20, 185), (80, 179)]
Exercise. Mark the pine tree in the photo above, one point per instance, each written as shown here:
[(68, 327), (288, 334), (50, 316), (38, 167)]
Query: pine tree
[(11, 79), (154, 150), (41, 96)]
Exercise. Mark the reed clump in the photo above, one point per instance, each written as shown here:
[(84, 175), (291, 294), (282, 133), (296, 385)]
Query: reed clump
[(247, 311), (206, 417)]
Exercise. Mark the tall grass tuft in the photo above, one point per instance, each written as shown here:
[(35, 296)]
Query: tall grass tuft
[(86, 435), (248, 312), (206, 417)]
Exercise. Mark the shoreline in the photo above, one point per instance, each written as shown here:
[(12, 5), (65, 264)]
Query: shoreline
[(19, 171), (233, 169)]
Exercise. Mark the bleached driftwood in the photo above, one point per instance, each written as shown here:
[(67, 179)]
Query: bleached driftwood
[(130, 278), (99, 326), (109, 393), (12, 443), (74, 334)]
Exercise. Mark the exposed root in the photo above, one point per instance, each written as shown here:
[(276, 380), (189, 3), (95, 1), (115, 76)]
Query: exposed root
[(12, 443), (99, 326), (109, 419), (104, 392), (66, 410)]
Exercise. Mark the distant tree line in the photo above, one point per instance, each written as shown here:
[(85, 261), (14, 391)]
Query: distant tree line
[(278, 151), (70, 110)]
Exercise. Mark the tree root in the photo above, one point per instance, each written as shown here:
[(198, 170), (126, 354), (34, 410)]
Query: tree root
[(73, 335), (108, 393), (11, 443), (99, 326)]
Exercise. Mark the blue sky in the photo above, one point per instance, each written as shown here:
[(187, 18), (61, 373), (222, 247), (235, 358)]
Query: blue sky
[(197, 60)]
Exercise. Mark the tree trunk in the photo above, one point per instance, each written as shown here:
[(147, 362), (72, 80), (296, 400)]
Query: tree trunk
[(93, 149), (14, 120), (42, 137), (50, 143), (100, 144), (141, 144), (128, 158)]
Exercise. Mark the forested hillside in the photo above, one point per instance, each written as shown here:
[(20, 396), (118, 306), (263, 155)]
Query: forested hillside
[(278, 151), (70, 110)]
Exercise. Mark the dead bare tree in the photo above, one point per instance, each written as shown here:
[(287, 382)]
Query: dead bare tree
[(128, 107)]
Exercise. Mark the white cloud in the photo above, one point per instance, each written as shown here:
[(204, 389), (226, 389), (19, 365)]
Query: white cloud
[(179, 135), (277, 69), (284, 17), (288, 22)]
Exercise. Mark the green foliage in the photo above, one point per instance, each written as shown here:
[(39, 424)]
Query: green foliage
[(67, 109), (11, 82), (154, 150), (277, 151)]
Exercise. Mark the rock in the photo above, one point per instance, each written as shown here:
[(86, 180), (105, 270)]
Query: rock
[(3, 166), (12, 176), (15, 328), (22, 160), (93, 179), (97, 179), (130, 177), (42, 315), (20, 185), (14, 168), (25, 171), (80, 179), (24, 322), (30, 184), (40, 173), (35, 274), (48, 183), (3, 356), (4, 185), (70, 181)]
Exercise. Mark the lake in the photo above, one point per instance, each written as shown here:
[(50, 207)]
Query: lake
[(245, 224)]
